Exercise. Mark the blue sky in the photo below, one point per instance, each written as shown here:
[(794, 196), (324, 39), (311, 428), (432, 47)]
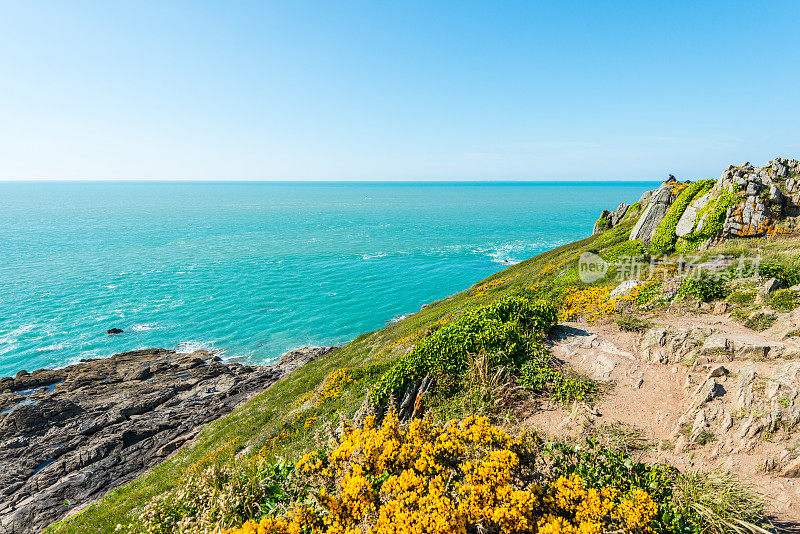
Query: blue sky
[(395, 90)]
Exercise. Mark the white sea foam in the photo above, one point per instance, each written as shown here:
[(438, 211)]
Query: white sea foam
[(8, 341), (191, 346), (144, 327), (398, 318), (374, 256), (56, 346)]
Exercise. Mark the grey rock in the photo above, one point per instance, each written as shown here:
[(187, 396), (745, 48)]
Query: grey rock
[(660, 202), (718, 371), (618, 214), (101, 423), (771, 285), (623, 288), (707, 391), (752, 219), (687, 221)]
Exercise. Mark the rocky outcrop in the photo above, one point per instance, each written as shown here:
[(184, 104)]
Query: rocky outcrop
[(610, 219), (745, 201), (688, 221), (660, 201), (68, 436)]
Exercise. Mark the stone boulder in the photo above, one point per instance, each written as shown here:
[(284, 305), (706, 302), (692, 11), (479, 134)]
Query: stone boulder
[(748, 219), (645, 227), (687, 221)]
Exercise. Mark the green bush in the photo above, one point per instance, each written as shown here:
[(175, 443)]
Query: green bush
[(625, 249), (783, 300), (742, 297), (787, 275), (541, 374), (705, 289), (664, 238), (504, 329)]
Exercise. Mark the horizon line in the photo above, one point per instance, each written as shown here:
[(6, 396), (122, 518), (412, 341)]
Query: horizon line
[(329, 181)]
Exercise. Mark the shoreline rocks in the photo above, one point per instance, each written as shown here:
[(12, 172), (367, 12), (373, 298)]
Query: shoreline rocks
[(69, 436)]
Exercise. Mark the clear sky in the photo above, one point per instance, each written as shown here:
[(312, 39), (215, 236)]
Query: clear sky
[(395, 90)]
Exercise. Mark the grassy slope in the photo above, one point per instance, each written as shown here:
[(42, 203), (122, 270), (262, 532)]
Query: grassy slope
[(276, 409), (265, 414)]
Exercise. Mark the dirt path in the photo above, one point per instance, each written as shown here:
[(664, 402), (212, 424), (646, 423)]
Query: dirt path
[(661, 392)]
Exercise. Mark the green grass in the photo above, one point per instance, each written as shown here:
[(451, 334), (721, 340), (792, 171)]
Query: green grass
[(369, 355), (266, 414)]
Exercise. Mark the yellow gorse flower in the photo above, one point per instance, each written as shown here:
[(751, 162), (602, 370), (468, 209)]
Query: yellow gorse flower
[(451, 478)]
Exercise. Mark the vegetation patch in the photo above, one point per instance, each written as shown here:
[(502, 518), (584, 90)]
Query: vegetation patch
[(461, 476), (664, 238), (626, 249), (705, 289), (787, 275), (632, 323), (713, 216), (542, 374), (586, 304), (504, 329), (755, 321), (742, 297), (783, 300)]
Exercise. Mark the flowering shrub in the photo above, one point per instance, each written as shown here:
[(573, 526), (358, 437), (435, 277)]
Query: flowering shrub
[(705, 288), (783, 300), (218, 496), (490, 285), (588, 304), (503, 329), (465, 476), (332, 388)]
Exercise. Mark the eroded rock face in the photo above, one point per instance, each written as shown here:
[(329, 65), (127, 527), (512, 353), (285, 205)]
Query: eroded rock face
[(610, 219), (687, 221), (68, 436), (655, 211), (753, 217)]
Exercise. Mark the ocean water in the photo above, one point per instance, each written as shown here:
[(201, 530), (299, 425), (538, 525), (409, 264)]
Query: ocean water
[(256, 269)]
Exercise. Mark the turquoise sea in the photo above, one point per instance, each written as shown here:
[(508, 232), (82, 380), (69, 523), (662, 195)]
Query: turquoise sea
[(256, 269)]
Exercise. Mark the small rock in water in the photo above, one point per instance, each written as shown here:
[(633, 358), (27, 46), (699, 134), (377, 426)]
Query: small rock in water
[(112, 331)]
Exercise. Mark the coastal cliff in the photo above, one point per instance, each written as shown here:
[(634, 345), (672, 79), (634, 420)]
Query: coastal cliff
[(68, 436), (665, 399)]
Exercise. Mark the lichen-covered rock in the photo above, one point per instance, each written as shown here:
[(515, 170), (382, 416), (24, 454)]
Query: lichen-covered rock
[(751, 218)]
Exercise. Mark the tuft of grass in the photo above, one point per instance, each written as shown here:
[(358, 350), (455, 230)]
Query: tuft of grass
[(618, 436), (760, 321), (544, 374), (633, 323), (719, 504)]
